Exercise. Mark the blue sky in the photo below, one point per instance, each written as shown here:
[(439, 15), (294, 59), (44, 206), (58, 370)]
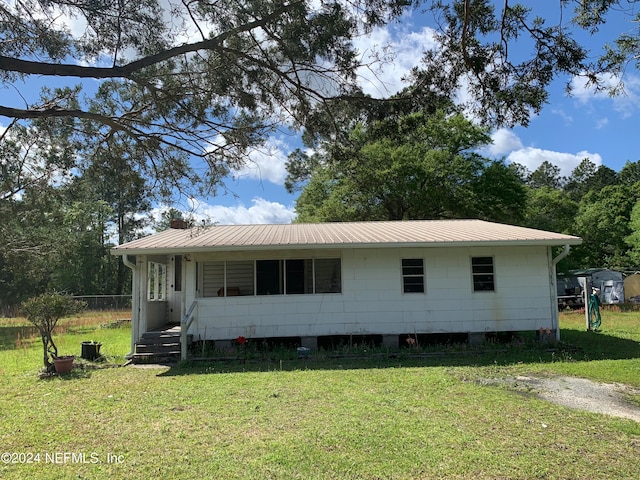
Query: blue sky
[(566, 131)]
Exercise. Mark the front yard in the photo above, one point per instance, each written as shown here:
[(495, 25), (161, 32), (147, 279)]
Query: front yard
[(373, 417)]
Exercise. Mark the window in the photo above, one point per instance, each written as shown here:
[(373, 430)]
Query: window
[(328, 277), (299, 274), (156, 288), (413, 275), (239, 278), (270, 277), (212, 279), (483, 275), (177, 273), (238, 275)]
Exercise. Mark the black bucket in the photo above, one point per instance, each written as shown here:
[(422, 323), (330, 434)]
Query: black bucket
[(91, 350)]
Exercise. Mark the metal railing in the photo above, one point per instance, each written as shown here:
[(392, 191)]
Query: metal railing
[(187, 320)]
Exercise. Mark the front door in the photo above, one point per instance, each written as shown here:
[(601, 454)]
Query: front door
[(175, 290)]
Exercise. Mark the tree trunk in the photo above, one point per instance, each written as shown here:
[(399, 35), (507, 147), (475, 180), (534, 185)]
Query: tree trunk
[(50, 350)]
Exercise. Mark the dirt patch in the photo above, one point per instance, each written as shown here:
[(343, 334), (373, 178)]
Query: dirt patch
[(579, 393), (148, 366)]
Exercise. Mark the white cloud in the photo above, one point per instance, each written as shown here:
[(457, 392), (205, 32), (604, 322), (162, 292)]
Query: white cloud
[(400, 50), (532, 158), (584, 93), (503, 142), (626, 103), (506, 142), (261, 211), (568, 119), (267, 162)]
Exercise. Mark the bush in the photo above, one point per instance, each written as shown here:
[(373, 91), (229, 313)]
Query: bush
[(44, 311)]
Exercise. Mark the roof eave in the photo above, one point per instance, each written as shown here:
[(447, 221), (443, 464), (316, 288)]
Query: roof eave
[(119, 251)]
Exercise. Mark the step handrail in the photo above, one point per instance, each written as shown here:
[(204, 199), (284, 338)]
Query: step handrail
[(187, 320)]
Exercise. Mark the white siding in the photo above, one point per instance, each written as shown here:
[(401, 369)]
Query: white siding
[(372, 301)]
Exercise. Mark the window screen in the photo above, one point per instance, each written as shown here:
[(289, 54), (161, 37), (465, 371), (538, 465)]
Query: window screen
[(328, 275), (483, 274), (269, 277), (272, 277), (413, 275)]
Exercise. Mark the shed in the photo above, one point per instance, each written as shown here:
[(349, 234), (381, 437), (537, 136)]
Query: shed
[(609, 283), (632, 288)]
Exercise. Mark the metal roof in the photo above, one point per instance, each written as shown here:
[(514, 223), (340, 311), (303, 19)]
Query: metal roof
[(414, 233)]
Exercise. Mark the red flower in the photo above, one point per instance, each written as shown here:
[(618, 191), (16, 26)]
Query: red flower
[(241, 340)]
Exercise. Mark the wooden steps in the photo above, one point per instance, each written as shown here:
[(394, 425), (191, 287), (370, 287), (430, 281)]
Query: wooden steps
[(161, 345)]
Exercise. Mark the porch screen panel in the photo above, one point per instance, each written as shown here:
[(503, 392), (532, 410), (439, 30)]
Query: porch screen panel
[(212, 278), (269, 277), (328, 272), (240, 278), (299, 274)]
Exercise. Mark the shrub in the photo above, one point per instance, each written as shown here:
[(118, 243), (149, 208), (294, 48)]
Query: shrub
[(44, 311)]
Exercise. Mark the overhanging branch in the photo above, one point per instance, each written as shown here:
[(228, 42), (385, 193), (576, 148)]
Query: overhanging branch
[(60, 113), (28, 67)]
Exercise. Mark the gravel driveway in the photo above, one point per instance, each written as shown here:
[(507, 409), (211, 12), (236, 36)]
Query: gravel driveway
[(580, 393)]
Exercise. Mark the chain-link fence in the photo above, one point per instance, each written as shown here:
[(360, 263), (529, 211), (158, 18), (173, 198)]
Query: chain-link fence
[(106, 302), (94, 303)]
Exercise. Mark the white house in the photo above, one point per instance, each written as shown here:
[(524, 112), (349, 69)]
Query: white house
[(384, 280)]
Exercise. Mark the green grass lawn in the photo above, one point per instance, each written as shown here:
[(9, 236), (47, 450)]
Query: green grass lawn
[(322, 418)]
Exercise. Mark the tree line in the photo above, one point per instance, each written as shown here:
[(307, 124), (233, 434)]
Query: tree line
[(58, 226), (58, 231)]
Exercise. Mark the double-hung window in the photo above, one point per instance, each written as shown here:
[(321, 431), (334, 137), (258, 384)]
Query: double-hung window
[(413, 275)]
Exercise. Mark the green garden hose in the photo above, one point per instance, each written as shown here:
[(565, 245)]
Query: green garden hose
[(594, 312)]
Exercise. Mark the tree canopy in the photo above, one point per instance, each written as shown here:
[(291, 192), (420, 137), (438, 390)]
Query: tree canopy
[(205, 79), (508, 53), (210, 79), (414, 167)]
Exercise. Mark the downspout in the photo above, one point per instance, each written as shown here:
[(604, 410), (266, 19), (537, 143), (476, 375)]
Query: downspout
[(555, 314), (135, 307), (127, 262)]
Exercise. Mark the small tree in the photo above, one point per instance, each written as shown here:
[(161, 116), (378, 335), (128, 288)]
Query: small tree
[(44, 311)]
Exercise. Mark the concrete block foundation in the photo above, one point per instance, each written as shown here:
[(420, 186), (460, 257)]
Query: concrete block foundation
[(309, 342), (224, 344), (390, 341)]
